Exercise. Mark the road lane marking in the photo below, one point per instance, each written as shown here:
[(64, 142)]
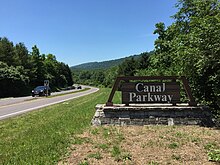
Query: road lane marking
[(38, 98), (45, 105), (18, 103)]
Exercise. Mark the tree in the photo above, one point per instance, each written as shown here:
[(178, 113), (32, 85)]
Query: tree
[(21, 71), (50, 66), (110, 76), (143, 61), (64, 75), (128, 67), (22, 56), (98, 77), (38, 71), (12, 81), (7, 54), (190, 47)]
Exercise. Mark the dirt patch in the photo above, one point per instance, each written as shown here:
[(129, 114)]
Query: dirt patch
[(137, 145)]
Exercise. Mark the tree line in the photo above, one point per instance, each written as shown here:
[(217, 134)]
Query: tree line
[(106, 77), (21, 70), (188, 47)]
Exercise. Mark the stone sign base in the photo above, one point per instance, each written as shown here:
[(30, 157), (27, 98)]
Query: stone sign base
[(152, 114)]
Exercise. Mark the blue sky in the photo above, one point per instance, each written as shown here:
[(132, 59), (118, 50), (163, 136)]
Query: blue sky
[(80, 31)]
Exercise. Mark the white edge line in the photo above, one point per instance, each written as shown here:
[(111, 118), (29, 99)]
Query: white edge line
[(31, 109)]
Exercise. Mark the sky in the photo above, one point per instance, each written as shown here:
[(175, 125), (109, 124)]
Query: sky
[(81, 31)]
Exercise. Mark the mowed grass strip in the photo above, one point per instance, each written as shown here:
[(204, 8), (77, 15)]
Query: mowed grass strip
[(43, 136)]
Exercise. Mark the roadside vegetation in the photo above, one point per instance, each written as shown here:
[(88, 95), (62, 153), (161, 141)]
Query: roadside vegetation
[(21, 70), (63, 134)]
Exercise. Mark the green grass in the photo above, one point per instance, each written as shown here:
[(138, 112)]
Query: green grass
[(173, 145), (43, 136), (96, 155), (104, 147), (116, 151), (85, 162), (213, 151)]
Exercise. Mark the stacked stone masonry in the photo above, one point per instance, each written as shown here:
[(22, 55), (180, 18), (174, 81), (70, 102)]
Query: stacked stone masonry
[(156, 114)]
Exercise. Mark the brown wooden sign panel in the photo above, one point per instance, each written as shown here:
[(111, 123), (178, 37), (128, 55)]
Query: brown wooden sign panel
[(150, 92), (165, 89)]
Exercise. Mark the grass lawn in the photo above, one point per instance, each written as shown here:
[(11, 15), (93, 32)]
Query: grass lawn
[(62, 134), (43, 136)]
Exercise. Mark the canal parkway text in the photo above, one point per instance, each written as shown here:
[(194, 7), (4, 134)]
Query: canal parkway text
[(150, 92)]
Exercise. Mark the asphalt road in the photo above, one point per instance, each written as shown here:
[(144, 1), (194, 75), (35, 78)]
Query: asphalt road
[(15, 106)]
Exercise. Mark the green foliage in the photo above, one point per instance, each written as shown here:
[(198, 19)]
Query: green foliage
[(190, 47), (127, 68), (85, 162), (96, 155), (106, 77), (213, 151), (214, 155), (38, 67), (21, 71), (7, 54), (12, 80), (110, 76), (173, 145), (210, 146), (103, 146), (102, 65), (116, 151)]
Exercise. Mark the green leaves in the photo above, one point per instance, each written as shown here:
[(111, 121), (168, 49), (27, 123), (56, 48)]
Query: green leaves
[(12, 80), (190, 47), (20, 70)]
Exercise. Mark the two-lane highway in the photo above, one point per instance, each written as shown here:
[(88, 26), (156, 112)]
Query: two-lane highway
[(21, 107)]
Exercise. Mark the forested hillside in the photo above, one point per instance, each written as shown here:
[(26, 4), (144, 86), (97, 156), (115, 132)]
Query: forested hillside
[(105, 76), (21, 70), (102, 65), (188, 47)]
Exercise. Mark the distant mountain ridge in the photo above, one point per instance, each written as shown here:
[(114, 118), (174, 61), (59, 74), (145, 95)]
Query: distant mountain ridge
[(102, 65)]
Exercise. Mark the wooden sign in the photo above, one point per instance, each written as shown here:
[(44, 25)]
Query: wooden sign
[(165, 89), (150, 92)]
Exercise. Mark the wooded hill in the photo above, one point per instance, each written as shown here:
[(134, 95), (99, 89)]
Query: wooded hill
[(102, 65), (104, 73)]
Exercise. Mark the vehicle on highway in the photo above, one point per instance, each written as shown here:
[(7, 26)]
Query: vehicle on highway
[(41, 91), (79, 87)]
